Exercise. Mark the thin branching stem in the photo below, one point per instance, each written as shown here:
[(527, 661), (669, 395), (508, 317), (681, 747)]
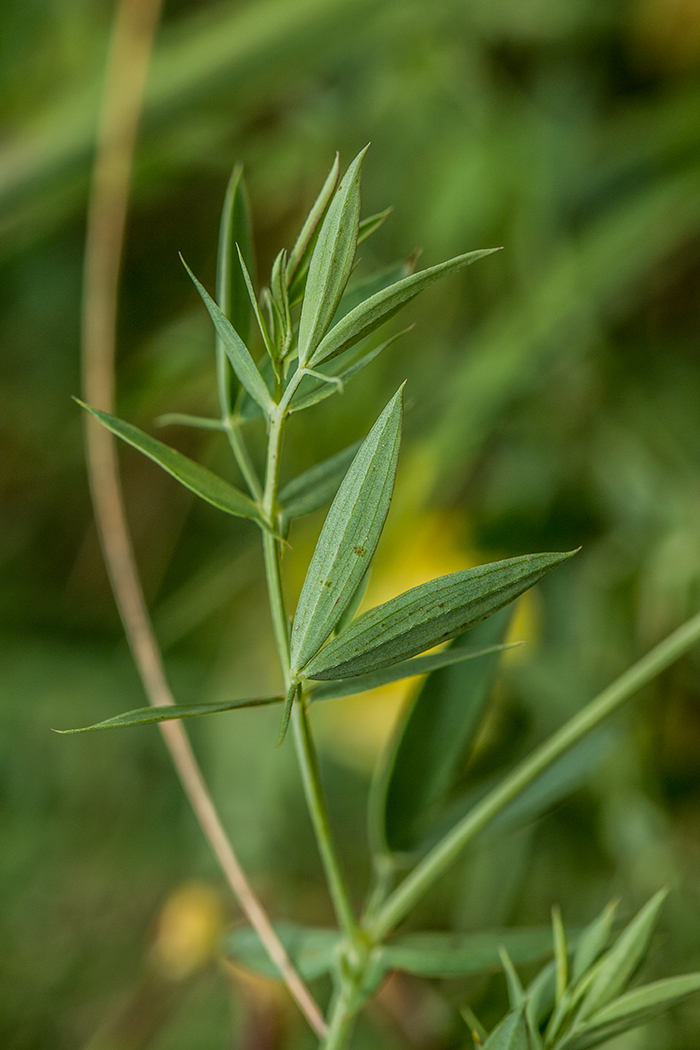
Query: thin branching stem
[(133, 33)]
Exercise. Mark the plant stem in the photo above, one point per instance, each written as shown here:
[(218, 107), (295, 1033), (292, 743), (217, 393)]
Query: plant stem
[(444, 853), (340, 1022), (305, 750)]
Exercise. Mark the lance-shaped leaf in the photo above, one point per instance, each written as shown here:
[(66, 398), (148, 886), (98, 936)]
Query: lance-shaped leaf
[(349, 536), (429, 614), (619, 964), (331, 262), (147, 715), (312, 951), (235, 229), (511, 1034), (197, 479), (465, 954), (183, 419), (593, 941), (371, 224), (236, 350), (631, 1010), (406, 669), (315, 487), (373, 312), (359, 291), (298, 262), (434, 739)]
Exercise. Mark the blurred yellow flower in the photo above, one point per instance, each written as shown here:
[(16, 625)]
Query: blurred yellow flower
[(189, 927)]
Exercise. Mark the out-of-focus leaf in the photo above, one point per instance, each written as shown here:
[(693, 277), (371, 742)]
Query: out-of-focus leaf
[(630, 1011), (516, 992), (464, 954), (324, 390), (541, 993), (197, 479), (429, 614), (406, 669), (236, 350), (434, 739), (371, 224), (373, 312), (246, 408), (561, 953), (235, 230), (349, 536), (315, 487), (298, 262), (331, 261), (593, 941), (147, 715), (170, 419), (619, 964), (511, 1034), (312, 951)]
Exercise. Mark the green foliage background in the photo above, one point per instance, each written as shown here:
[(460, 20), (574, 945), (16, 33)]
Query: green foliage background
[(553, 393)]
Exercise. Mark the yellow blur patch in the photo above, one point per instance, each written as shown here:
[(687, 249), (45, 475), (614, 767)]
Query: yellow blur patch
[(189, 927), (666, 33), (355, 729)]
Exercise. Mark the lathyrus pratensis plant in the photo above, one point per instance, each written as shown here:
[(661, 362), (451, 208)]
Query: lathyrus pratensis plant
[(316, 327)]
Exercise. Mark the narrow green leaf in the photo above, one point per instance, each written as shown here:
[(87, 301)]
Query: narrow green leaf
[(465, 954), (593, 941), (406, 669), (511, 1033), (516, 992), (349, 537), (315, 487), (197, 479), (312, 951), (373, 312), (170, 419), (250, 291), (236, 350), (561, 953), (279, 299), (147, 715), (540, 994), (619, 964), (429, 614), (631, 1010), (359, 291), (324, 390), (331, 261), (478, 1032), (434, 739), (301, 252), (235, 230), (371, 224)]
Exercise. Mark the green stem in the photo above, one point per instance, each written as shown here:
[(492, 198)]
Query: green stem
[(319, 816), (445, 852), (305, 750), (235, 438), (340, 1022)]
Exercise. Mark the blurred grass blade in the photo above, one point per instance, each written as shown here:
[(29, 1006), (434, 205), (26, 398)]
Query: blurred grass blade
[(593, 941), (236, 350), (375, 311), (619, 964), (147, 715), (371, 224), (197, 479), (316, 487), (434, 739), (465, 954), (324, 390), (236, 230), (516, 993), (561, 954), (312, 951), (631, 1010), (331, 261), (182, 419), (349, 536), (429, 614), (511, 1033), (406, 669), (298, 262)]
